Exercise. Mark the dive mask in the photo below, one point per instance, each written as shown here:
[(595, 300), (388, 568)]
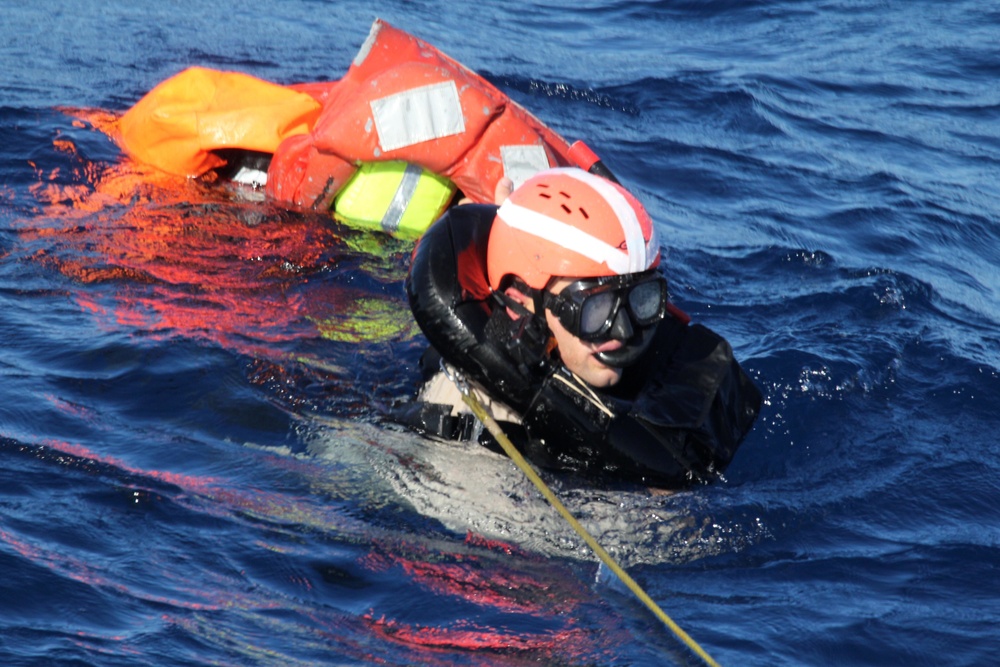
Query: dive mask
[(625, 307), (590, 308)]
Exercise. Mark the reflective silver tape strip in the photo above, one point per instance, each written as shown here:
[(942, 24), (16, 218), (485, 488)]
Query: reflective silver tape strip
[(401, 199), (369, 43), (522, 162), (416, 115)]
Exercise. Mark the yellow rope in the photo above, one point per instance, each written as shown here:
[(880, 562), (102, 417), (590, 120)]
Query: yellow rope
[(494, 428)]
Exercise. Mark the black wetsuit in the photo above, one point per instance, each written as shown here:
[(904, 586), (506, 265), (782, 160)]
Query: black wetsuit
[(676, 417)]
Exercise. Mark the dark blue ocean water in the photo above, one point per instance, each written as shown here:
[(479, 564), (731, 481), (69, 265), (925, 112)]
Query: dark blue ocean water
[(190, 470)]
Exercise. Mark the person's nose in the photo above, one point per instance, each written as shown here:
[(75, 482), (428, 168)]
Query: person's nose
[(622, 329)]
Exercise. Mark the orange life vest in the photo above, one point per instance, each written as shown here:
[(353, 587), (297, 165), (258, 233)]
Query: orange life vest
[(401, 99)]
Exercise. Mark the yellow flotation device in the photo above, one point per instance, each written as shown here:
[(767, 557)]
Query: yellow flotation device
[(396, 197)]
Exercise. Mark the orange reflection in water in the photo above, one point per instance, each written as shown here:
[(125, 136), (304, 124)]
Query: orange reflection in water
[(166, 256), (162, 256), (507, 603)]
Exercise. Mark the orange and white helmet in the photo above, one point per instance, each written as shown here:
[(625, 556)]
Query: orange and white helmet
[(569, 223)]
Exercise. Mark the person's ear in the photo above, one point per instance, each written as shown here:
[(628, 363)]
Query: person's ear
[(520, 298)]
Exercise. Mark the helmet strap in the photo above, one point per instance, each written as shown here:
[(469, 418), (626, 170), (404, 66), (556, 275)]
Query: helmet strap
[(510, 303), (525, 338), (537, 296)]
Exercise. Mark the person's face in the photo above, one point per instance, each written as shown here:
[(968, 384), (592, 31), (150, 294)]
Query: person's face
[(578, 355)]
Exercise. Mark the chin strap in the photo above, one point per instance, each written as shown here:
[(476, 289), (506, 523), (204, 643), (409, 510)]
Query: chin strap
[(526, 339), (508, 447)]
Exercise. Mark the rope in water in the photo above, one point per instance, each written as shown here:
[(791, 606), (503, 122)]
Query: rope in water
[(494, 428)]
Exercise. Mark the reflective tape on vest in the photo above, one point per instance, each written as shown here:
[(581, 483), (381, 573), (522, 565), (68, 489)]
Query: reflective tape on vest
[(420, 114), (401, 198), (369, 42)]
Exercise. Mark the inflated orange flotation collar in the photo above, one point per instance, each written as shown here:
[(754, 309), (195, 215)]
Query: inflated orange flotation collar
[(401, 99)]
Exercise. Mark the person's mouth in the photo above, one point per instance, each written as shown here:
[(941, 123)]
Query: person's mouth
[(606, 346)]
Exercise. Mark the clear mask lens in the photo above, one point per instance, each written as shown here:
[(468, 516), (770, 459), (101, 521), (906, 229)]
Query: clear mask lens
[(646, 302), (596, 311)]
